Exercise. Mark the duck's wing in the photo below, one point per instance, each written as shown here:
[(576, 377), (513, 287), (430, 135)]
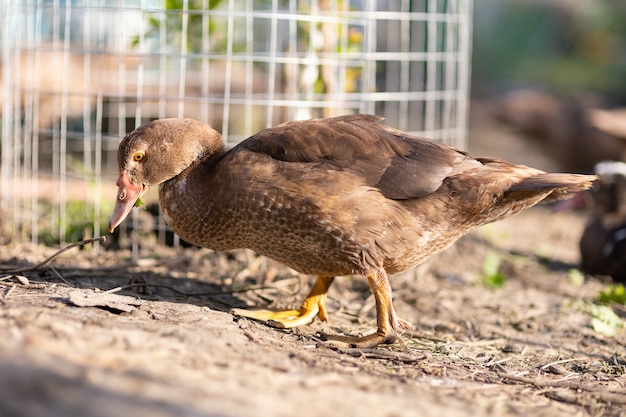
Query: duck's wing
[(401, 166)]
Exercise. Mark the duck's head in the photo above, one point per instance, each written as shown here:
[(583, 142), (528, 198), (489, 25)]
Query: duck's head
[(156, 152)]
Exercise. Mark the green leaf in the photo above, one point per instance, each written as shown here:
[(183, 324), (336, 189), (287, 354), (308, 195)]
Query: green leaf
[(603, 328), (491, 275), (138, 203), (604, 320), (614, 293), (576, 278)]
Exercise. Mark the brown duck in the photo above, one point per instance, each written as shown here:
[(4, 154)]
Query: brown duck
[(327, 197)]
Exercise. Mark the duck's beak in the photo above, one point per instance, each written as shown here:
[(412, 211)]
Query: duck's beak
[(127, 195)]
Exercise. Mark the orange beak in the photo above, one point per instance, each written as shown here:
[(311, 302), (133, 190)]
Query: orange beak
[(127, 195)]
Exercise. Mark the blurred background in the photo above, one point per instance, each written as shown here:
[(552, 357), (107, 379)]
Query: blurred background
[(549, 90), (545, 78), (551, 75), (77, 75), (569, 46)]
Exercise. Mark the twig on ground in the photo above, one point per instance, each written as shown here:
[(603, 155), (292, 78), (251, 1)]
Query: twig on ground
[(198, 294), (8, 293), (548, 365), (57, 253), (60, 276), (383, 354), (597, 391), (497, 365)]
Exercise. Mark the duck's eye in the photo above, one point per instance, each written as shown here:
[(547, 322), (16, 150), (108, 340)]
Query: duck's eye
[(137, 156)]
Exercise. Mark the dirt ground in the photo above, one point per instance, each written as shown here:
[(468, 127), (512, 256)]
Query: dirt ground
[(73, 344)]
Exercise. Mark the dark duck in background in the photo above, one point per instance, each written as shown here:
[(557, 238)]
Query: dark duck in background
[(603, 243)]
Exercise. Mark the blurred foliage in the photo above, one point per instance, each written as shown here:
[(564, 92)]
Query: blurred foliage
[(79, 221), (491, 276), (604, 320), (564, 45), (329, 38), (576, 278), (209, 33), (614, 293), (170, 23)]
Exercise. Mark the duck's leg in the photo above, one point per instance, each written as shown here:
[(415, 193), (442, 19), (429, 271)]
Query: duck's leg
[(312, 306), (387, 321)]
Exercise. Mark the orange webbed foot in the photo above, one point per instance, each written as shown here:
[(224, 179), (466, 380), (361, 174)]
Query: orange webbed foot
[(313, 306)]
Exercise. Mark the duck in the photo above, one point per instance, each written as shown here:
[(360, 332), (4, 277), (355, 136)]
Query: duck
[(327, 197), (603, 241), (610, 121), (566, 129)]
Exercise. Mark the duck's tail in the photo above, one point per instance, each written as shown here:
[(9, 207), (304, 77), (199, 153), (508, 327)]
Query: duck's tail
[(553, 186)]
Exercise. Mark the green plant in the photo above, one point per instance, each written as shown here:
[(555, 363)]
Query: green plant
[(170, 23), (491, 276), (604, 320), (576, 278), (614, 293), (78, 221)]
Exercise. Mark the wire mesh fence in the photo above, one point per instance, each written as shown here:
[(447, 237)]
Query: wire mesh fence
[(77, 75)]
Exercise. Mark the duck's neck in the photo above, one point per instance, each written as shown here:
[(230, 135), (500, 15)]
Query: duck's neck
[(191, 197), (205, 163)]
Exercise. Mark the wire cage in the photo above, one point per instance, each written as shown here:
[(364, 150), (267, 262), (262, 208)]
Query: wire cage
[(77, 75)]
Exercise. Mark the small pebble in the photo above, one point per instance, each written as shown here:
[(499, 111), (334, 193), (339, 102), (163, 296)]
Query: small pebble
[(557, 369), (511, 349), (22, 280)]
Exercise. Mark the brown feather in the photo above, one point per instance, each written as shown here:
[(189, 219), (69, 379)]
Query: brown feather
[(401, 166)]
